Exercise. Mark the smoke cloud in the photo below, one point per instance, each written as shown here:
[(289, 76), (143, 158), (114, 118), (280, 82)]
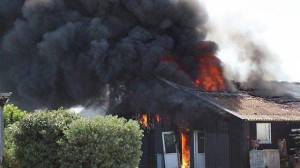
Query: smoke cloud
[(256, 55), (64, 53), (248, 60)]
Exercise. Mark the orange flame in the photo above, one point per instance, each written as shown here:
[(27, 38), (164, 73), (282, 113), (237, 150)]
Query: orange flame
[(210, 76), (185, 149), (157, 117), (144, 120)]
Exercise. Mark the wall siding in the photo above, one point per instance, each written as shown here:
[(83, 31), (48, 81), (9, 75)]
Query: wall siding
[(238, 143), (216, 141), (279, 130)]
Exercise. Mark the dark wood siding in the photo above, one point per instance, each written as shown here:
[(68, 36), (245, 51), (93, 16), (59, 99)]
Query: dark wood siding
[(290, 140), (238, 143), (148, 159), (279, 130), (216, 141)]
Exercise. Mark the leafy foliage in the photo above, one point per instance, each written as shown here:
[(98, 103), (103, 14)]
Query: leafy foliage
[(35, 138), (10, 160), (60, 138), (12, 114), (102, 142)]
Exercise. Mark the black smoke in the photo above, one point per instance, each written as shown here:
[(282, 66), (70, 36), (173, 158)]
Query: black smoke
[(65, 52)]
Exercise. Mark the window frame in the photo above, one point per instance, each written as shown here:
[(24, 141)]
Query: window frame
[(196, 138), (163, 141), (269, 141)]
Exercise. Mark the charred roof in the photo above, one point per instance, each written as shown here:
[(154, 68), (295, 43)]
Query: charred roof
[(247, 106)]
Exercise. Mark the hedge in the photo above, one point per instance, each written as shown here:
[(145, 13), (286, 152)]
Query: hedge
[(62, 139), (105, 142), (33, 141)]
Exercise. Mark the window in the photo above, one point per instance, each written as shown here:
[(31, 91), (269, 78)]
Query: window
[(200, 142), (263, 131), (169, 142)]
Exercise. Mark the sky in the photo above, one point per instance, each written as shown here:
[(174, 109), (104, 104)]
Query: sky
[(272, 23)]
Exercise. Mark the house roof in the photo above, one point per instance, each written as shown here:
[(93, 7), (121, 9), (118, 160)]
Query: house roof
[(247, 107), (254, 108)]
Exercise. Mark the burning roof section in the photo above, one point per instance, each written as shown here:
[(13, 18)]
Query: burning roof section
[(252, 108), (65, 53)]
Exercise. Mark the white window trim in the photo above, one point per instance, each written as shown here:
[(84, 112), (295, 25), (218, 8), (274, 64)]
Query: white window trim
[(269, 134), (163, 139), (196, 140)]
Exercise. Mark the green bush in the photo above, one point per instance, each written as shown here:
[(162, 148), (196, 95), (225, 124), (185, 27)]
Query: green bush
[(12, 114), (105, 142), (63, 139), (33, 141), (10, 160)]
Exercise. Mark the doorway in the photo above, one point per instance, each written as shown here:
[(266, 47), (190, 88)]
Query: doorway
[(199, 151), (170, 152)]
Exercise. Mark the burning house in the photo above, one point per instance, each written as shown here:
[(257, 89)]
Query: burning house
[(219, 131), (154, 60)]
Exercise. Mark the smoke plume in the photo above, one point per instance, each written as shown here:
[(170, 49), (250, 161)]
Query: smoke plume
[(63, 53), (252, 64), (259, 78)]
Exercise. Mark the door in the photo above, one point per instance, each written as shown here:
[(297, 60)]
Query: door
[(199, 145), (169, 146)]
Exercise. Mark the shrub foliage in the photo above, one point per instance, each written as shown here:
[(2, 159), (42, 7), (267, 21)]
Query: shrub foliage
[(104, 142), (32, 142), (12, 114), (63, 139)]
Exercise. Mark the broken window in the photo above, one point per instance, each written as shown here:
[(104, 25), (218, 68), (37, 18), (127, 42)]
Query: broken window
[(263, 131)]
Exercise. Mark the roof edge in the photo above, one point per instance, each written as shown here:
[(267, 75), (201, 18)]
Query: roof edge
[(191, 91)]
